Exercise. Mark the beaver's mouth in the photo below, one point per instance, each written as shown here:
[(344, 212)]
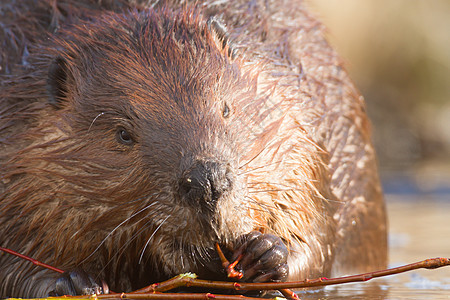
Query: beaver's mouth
[(199, 258), (204, 238)]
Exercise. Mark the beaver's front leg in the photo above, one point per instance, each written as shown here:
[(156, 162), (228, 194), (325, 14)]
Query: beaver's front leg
[(262, 258), (78, 282)]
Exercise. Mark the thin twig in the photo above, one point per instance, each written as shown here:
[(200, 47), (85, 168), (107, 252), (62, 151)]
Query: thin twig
[(232, 273), (32, 260), (229, 267), (288, 294)]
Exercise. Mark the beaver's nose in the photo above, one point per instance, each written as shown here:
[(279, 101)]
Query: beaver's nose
[(204, 183)]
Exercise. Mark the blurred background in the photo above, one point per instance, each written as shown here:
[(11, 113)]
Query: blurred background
[(398, 54)]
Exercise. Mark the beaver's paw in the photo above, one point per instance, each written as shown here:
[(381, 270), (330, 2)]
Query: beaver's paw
[(78, 282), (262, 258)]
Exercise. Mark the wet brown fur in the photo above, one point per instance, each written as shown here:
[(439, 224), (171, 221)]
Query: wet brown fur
[(297, 141)]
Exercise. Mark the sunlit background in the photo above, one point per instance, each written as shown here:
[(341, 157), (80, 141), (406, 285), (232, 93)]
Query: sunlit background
[(398, 54)]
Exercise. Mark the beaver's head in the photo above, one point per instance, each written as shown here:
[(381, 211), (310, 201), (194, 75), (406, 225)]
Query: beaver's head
[(147, 108)]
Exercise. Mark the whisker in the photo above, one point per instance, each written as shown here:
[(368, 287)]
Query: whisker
[(288, 212), (195, 254), (95, 119), (262, 206), (123, 247), (272, 190), (254, 157), (268, 208), (288, 188), (260, 167), (153, 234), (269, 183), (117, 227), (181, 251), (254, 186), (268, 165)]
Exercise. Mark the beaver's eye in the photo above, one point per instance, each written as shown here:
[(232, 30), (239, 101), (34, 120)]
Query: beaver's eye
[(226, 111), (124, 137)]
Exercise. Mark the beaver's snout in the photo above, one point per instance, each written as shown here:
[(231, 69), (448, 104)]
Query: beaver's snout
[(204, 183)]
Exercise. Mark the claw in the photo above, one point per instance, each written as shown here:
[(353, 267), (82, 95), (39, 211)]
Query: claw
[(261, 258)]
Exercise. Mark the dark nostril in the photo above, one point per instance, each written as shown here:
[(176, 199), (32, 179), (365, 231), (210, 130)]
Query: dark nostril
[(195, 182), (204, 183)]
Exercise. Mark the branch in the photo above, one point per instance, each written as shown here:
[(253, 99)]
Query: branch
[(173, 296), (432, 263), (186, 280), (154, 291)]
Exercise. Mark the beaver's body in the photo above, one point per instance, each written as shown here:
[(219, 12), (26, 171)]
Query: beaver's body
[(134, 141)]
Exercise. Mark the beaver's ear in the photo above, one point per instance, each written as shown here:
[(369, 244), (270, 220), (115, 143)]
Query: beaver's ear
[(221, 37), (57, 81)]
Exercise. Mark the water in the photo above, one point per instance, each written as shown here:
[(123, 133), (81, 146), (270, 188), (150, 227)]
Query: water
[(419, 228)]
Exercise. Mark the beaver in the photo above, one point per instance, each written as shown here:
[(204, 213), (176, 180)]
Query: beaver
[(135, 136)]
